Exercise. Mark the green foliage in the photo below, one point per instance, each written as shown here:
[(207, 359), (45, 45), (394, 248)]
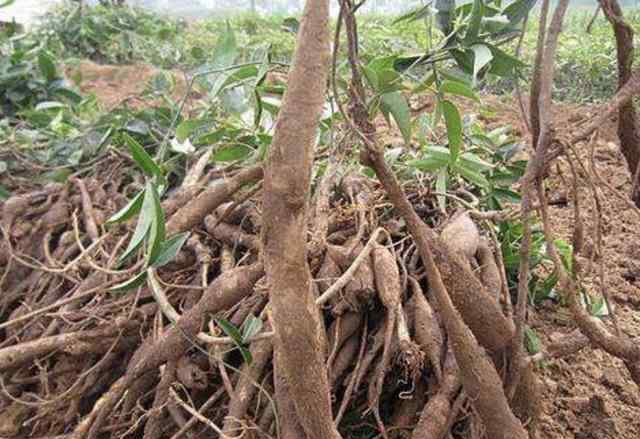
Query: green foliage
[(586, 68), (29, 77), (112, 35), (150, 231), (241, 337)]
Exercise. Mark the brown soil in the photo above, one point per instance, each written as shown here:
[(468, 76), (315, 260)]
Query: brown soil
[(113, 84), (590, 395)]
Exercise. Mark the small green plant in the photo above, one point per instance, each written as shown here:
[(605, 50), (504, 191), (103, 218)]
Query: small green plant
[(29, 77), (150, 233), (112, 35), (241, 337)]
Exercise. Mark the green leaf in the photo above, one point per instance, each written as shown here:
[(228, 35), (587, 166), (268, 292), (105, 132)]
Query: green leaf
[(4, 193), (235, 335), (130, 284), (566, 253), (532, 341), (425, 84), (49, 105), (458, 89), (291, 24), (474, 22), (474, 162), (47, 67), (444, 16), (508, 150), (415, 15), (170, 249), (143, 226), (197, 53), (263, 69), (435, 157), (157, 230), (454, 128), (138, 126), (482, 55), (188, 127), (382, 76), (141, 157), (251, 327), (230, 330), (497, 25), (507, 195), (456, 76), (232, 153), (518, 10), (128, 211), (226, 50), (396, 104), (246, 354), (464, 59), (504, 64), (234, 79), (471, 175), (598, 307), (504, 178), (209, 139)]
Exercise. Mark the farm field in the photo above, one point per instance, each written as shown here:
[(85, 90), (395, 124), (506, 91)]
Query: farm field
[(346, 224)]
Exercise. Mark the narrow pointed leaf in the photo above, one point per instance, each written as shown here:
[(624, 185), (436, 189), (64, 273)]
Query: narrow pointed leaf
[(128, 211), (482, 56), (251, 327), (131, 284), (458, 89), (396, 104), (474, 22), (141, 157), (454, 128), (230, 330), (142, 228), (157, 228), (170, 249), (47, 67)]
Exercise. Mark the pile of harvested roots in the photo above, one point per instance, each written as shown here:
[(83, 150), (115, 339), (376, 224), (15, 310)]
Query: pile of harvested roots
[(81, 360), (421, 335)]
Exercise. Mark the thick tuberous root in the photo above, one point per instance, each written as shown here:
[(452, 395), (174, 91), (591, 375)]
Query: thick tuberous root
[(159, 362)]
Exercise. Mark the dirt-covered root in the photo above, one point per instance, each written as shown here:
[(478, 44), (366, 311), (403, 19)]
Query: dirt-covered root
[(428, 334), (386, 332), (387, 278), (343, 329), (526, 402), (359, 288), (194, 212), (384, 348), (407, 411), (489, 271), (462, 235), (228, 289), (466, 291), (74, 343), (436, 414), (479, 375), (247, 388)]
